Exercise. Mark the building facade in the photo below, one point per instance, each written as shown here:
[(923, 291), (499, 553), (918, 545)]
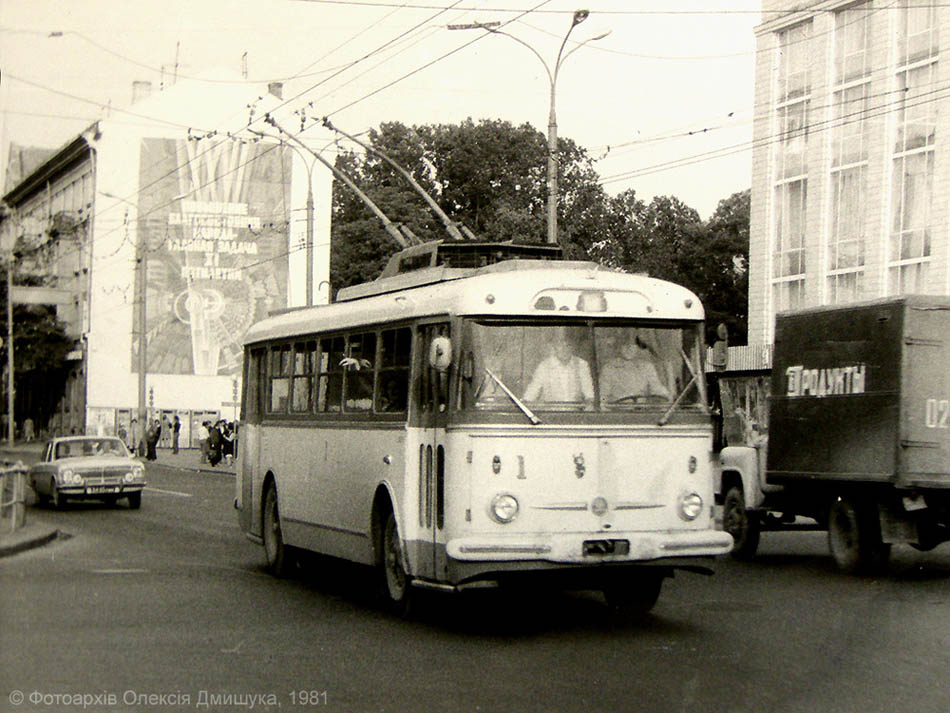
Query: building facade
[(165, 236), (851, 177)]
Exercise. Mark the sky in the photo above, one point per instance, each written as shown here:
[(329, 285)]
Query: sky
[(663, 103)]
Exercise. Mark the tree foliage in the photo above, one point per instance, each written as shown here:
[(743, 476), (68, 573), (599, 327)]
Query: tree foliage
[(41, 343), (492, 177)]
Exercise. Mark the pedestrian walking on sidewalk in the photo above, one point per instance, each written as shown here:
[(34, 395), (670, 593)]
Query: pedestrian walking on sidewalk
[(176, 429), (151, 439), (215, 441), (203, 442)]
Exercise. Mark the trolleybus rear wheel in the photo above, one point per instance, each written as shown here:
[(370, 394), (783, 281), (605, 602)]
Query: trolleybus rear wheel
[(279, 556)]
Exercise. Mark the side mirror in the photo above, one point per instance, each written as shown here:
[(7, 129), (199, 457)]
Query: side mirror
[(468, 366), (440, 354)]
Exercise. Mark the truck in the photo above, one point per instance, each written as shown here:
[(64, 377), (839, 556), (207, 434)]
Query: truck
[(848, 431)]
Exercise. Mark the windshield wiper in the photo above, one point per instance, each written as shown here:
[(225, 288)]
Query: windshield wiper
[(664, 419), (514, 399)]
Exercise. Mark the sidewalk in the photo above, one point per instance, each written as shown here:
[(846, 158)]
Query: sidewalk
[(36, 533)]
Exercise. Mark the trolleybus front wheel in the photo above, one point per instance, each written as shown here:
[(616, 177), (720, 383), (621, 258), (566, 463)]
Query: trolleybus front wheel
[(396, 585), (636, 596)]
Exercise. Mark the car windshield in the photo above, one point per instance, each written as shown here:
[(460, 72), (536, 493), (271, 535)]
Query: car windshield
[(87, 447), (595, 366)]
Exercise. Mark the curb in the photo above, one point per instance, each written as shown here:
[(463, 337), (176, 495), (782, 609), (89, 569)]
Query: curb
[(29, 543)]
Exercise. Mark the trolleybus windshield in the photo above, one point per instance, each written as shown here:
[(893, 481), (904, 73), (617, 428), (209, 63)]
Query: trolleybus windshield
[(591, 366)]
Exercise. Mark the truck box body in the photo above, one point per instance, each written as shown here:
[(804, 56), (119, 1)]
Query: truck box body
[(861, 393)]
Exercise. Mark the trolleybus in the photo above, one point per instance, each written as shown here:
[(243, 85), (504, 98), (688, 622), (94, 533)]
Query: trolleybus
[(522, 421)]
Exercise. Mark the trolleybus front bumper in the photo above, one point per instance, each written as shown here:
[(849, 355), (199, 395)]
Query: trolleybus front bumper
[(590, 548)]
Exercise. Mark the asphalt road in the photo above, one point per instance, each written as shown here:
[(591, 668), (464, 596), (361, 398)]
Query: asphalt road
[(168, 609)]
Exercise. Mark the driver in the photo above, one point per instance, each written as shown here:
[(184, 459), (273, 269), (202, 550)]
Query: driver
[(632, 372), (561, 376)]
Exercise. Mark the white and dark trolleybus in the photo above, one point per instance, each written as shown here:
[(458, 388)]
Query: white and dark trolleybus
[(480, 416)]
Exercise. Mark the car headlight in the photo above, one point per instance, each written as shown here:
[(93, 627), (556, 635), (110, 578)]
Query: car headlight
[(690, 506), (504, 508), (70, 477)]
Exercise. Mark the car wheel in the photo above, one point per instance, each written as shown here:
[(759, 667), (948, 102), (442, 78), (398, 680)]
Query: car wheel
[(395, 580), (737, 522), (636, 596), (58, 499), (279, 556), (854, 537), (135, 500)]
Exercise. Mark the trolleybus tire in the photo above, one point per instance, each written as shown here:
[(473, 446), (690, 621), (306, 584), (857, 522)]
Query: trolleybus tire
[(636, 596), (743, 527), (395, 581), (280, 558), (854, 537)]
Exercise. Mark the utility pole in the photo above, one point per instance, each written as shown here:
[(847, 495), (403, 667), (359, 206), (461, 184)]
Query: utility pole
[(11, 428)]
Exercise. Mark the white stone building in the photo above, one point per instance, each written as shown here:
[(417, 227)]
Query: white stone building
[(851, 157)]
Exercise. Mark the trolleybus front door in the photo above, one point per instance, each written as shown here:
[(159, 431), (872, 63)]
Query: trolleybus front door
[(436, 357)]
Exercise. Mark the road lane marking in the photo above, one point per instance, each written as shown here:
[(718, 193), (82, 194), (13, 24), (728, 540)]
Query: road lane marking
[(170, 492), (119, 571)]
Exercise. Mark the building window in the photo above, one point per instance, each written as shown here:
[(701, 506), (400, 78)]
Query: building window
[(849, 155), (791, 169), (909, 249), (918, 31), (788, 257), (852, 32)]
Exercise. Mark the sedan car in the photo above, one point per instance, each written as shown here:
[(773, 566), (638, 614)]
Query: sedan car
[(87, 468)]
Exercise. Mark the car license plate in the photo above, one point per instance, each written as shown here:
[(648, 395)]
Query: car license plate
[(97, 489), (600, 548)]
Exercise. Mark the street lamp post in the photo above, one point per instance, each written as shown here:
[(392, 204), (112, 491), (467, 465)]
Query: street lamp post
[(578, 17)]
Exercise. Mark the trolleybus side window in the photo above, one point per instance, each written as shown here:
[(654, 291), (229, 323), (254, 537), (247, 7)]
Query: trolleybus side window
[(330, 379), (278, 372), (304, 361), (359, 370), (394, 361), (252, 383)]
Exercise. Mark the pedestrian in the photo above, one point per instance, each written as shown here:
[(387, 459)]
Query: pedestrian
[(227, 442), (28, 434), (166, 439), (215, 440), (151, 439), (204, 443), (176, 429), (136, 438)]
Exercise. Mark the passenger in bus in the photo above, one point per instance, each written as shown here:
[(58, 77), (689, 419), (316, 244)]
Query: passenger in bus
[(632, 372), (562, 376)]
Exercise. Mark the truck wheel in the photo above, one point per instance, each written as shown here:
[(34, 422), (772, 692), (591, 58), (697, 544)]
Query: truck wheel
[(743, 527), (854, 537)]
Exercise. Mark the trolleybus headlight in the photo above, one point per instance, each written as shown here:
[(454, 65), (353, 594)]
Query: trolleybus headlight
[(691, 505), (504, 508)]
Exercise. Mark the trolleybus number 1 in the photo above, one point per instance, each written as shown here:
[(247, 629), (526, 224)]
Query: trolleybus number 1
[(938, 413)]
